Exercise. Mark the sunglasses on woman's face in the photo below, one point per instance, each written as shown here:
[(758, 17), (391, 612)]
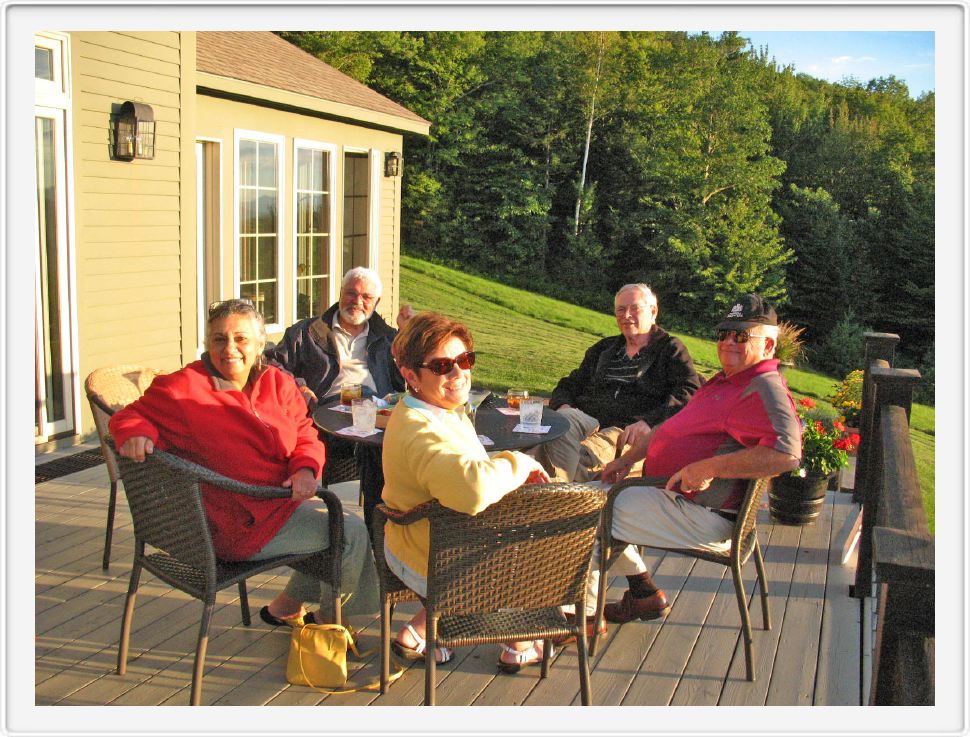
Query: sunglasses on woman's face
[(739, 337), (442, 366)]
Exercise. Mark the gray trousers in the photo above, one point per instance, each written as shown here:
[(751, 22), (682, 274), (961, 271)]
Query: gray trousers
[(647, 515), (306, 531)]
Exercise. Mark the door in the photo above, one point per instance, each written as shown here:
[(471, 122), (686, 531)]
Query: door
[(55, 379)]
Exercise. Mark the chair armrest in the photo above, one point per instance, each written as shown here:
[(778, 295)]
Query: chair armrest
[(406, 517), (207, 475)]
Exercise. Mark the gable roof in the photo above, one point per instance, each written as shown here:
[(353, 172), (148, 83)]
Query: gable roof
[(263, 58)]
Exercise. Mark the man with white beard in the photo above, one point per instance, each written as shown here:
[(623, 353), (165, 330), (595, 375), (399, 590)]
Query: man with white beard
[(348, 344)]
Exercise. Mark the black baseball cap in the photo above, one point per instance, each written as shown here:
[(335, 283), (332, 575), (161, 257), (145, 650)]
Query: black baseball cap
[(748, 311)]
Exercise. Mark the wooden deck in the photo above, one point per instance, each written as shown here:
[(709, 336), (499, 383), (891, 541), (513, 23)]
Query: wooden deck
[(811, 656)]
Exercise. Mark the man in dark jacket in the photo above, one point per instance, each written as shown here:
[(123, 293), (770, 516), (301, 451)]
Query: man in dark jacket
[(626, 385), (349, 344)]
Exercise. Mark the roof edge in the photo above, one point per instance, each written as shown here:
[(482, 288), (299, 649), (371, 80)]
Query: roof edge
[(216, 85)]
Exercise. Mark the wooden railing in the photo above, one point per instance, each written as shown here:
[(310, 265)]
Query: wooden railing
[(896, 552)]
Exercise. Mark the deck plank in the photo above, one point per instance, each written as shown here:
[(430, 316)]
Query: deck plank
[(793, 677), (694, 657)]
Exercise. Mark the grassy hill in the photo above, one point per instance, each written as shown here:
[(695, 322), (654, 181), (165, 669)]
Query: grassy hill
[(530, 341)]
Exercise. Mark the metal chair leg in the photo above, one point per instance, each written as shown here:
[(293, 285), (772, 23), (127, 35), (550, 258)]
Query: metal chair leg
[(431, 636), (745, 618), (585, 692), (387, 611), (604, 564), (109, 527), (759, 562), (200, 654), (127, 616), (244, 603)]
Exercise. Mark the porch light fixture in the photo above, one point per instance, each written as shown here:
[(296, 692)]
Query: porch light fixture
[(134, 132), (392, 164)]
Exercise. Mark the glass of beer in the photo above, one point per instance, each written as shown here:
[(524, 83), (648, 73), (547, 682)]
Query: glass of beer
[(515, 396), (350, 392)]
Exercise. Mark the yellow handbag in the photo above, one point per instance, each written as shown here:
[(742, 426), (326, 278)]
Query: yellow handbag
[(318, 655)]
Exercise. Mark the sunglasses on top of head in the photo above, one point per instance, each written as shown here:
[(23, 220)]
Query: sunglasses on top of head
[(739, 336), (442, 366)]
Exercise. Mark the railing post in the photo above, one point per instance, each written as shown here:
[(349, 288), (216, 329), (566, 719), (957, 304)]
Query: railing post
[(890, 387), (878, 347)]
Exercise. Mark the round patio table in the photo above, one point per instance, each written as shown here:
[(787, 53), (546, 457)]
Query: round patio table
[(488, 421)]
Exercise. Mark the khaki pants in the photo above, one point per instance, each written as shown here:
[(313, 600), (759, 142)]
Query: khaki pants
[(582, 451)]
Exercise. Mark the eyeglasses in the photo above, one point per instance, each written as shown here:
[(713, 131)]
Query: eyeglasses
[(632, 309), (366, 298), (442, 366), (739, 337)]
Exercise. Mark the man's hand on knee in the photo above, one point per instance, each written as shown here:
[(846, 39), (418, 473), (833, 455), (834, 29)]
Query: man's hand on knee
[(632, 434)]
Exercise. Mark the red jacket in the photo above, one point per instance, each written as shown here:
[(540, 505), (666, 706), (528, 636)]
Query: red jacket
[(260, 435)]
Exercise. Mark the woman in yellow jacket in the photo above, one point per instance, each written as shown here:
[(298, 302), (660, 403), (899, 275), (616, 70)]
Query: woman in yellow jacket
[(431, 451)]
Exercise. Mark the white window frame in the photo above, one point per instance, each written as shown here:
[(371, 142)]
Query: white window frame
[(332, 149), (239, 134), (376, 178), (52, 97), (203, 308)]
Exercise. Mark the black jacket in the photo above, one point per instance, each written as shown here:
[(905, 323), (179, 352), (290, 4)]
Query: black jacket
[(666, 379), (307, 351)]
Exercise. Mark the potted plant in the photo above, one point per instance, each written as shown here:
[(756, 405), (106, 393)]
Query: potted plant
[(796, 498), (789, 348), (847, 399)]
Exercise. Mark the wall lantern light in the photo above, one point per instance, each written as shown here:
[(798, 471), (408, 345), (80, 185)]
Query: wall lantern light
[(134, 132), (392, 164)]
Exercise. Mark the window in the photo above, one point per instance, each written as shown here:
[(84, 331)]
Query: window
[(44, 63), (259, 185), (356, 210), (313, 188)]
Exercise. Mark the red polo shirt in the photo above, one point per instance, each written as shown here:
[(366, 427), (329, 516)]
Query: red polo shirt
[(727, 414)]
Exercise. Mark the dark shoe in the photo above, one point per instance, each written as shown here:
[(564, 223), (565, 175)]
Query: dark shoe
[(570, 639), (278, 622), (629, 608)]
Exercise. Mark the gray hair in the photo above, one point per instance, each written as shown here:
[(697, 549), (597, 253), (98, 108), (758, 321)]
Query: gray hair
[(362, 273), (646, 291), (222, 310)]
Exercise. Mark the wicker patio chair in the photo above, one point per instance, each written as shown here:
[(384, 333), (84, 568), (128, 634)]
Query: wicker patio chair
[(110, 389), (744, 543), (500, 575), (165, 498)]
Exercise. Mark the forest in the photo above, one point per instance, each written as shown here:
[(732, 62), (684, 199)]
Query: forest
[(570, 163)]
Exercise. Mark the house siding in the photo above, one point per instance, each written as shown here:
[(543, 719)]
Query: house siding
[(130, 216)]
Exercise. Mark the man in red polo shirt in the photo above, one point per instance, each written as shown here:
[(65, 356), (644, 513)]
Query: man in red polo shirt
[(740, 425)]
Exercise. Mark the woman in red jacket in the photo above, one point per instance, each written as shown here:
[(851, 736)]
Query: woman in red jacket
[(247, 421)]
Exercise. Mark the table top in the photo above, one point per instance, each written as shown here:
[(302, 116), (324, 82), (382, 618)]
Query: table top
[(488, 421)]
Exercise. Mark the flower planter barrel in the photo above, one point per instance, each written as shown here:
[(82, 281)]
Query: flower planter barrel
[(797, 501)]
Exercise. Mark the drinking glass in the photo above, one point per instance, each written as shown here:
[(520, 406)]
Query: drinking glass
[(475, 399), (350, 392), (514, 396), (364, 412), (530, 413)]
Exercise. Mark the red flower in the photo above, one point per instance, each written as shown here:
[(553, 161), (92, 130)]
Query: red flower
[(855, 439), (807, 402), (839, 426), (819, 426)]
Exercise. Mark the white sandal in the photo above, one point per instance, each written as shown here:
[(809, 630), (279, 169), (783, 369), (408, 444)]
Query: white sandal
[(523, 658), (442, 654)]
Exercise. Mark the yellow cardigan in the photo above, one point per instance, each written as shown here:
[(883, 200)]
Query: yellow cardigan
[(431, 453)]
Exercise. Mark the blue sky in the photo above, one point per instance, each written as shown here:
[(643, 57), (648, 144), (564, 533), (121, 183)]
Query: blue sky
[(909, 55)]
